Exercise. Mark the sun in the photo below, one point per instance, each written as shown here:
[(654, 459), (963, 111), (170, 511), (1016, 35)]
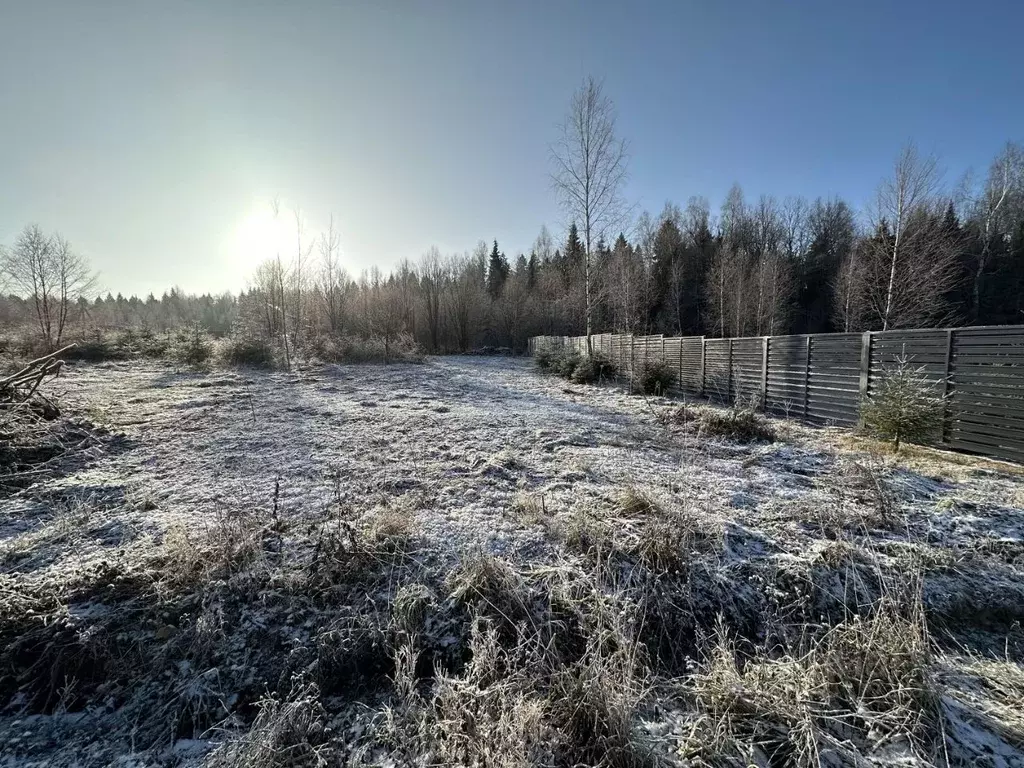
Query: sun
[(261, 235)]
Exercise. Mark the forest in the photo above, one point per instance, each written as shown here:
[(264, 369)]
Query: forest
[(922, 255)]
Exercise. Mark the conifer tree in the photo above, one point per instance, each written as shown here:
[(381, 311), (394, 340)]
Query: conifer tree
[(497, 272)]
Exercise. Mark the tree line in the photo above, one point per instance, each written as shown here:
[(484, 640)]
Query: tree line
[(920, 255)]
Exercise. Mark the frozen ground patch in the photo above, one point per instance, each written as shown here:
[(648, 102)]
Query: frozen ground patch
[(322, 563), (459, 437)]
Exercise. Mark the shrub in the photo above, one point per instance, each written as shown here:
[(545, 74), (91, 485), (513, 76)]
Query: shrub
[(743, 425), (593, 369), (545, 359), (143, 342), (96, 347), (356, 349), (151, 345), (656, 376), (193, 347), (247, 349), (904, 406), (566, 364)]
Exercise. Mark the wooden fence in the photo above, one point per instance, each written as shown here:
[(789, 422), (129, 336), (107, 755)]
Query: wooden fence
[(824, 377)]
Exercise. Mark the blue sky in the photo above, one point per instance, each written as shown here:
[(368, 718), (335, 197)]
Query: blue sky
[(154, 134)]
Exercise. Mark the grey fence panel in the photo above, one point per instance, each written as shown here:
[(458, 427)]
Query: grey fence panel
[(986, 392), (926, 350), (833, 387), (622, 345), (746, 368), (824, 377), (718, 369), (673, 352), (786, 392), (691, 376)]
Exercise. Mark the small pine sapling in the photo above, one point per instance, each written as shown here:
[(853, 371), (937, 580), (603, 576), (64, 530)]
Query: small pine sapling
[(904, 407)]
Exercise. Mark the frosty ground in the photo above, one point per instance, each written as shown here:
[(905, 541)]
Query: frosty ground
[(466, 562)]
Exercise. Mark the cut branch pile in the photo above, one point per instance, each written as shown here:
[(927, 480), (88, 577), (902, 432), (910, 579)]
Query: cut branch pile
[(33, 437), (22, 388)]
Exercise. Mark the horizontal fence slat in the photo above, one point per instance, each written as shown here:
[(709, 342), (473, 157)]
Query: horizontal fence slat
[(823, 377)]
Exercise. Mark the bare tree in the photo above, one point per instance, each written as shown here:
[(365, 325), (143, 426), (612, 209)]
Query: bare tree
[(1004, 186), (590, 168), (51, 274), (796, 237), (726, 291), (511, 311), (629, 298), (386, 312), (775, 285), (906, 262), (298, 286), (264, 287), (735, 220), (900, 274), (767, 232), (332, 279), (848, 290), (433, 277), (645, 232), (544, 246), (465, 296)]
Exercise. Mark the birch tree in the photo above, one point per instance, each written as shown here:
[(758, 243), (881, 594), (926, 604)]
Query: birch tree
[(589, 170), (910, 267), (1003, 187)]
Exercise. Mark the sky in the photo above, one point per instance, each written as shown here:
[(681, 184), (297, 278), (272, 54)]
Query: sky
[(155, 135)]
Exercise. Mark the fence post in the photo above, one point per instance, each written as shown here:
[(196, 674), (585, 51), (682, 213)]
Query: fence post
[(946, 385), (865, 363), (632, 361), (703, 357), (807, 378), (728, 368), (679, 372), (764, 374), (865, 368)]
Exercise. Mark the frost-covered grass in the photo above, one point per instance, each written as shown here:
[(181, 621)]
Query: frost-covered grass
[(468, 563)]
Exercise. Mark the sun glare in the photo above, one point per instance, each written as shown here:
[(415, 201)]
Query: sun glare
[(260, 236)]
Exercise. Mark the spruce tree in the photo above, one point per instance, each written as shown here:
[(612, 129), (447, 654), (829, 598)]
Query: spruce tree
[(574, 248), (531, 271), (521, 265), (497, 272)]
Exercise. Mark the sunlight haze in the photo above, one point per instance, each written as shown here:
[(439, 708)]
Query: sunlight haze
[(155, 135)]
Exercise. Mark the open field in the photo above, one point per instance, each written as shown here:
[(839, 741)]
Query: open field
[(467, 563)]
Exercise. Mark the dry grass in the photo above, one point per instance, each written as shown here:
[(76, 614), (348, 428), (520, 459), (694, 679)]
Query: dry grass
[(855, 689), (392, 529), (530, 509), (492, 587), (652, 629), (738, 424), (933, 462), (633, 502), (498, 664), (286, 732), (484, 717)]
